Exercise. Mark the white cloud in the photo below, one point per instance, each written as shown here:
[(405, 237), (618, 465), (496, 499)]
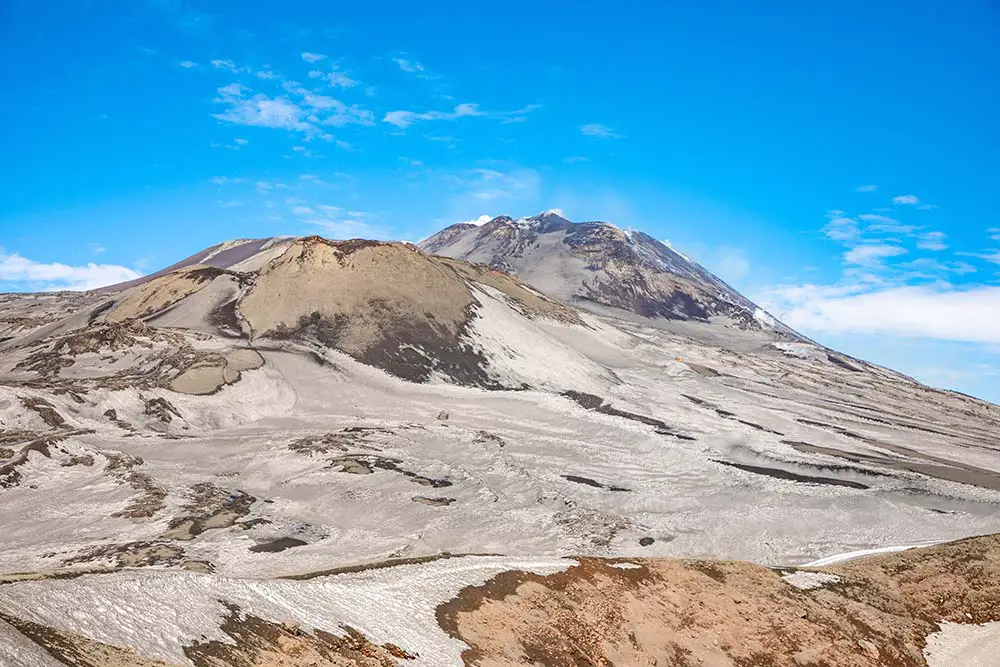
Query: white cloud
[(188, 64), (26, 273), (994, 233), (226, 180), (871, 255), (410, 66), (225, 64), (875, 217), (266, 74), (940, 312), (260, 110), (481, 220), (97, 248), (312, 57), (334, 79), (866, 188), (841, 228), (599, 131), (905, 199), (239, 141), (932, 241), (403, 119)]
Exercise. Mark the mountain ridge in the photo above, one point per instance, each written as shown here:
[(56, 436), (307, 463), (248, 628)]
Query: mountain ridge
[(599, 263)]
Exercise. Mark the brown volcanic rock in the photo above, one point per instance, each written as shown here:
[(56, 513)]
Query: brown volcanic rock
[(388, 305), (727, 614)]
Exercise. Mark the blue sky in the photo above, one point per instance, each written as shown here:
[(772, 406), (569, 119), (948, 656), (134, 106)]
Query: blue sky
[(837, 162)]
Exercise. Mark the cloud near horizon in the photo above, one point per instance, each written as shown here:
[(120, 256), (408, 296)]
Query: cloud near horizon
[(17, 271), (936, 312)]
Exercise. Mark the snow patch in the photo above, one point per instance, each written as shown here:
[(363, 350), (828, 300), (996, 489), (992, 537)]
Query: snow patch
[(800, 350), (852, 555), (805, 581), (961, 644), (626, 566)]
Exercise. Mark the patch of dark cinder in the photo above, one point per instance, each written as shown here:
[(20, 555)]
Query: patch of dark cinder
[(597, 404), (830, 427), (280, 544), (379, 565), (9, 474), (843, 363), (408, 347), (778, 473), (594, 483), (100, 310), (225, 317), (253, 641), (366, 464), (759, 427), (160, 408), (45, 410)]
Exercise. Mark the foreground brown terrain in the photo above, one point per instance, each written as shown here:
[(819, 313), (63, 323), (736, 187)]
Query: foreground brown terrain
[(604, 612)]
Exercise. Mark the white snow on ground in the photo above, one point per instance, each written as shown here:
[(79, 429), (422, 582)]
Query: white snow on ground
[(962, 645), (808, 580), (801, 350), (521, 351), (852, 555), (160, 612), (626, 566)]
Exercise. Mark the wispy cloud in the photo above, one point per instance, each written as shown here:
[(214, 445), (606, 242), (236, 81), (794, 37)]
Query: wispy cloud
[(991, 256), (994, 233), (336, 79), (228, 65), (866, 188), (188, 64), (906, 200), (226, 180), (872, 255), (932, 241), (490, 185), (599, 131), (407, 65), (841, 228), (575, 159), (336, 222), (312, 57), (19, 272), (306, 114), (404, 119)]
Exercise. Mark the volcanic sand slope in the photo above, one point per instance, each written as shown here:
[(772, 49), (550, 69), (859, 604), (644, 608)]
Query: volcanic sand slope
[(252, 420)]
